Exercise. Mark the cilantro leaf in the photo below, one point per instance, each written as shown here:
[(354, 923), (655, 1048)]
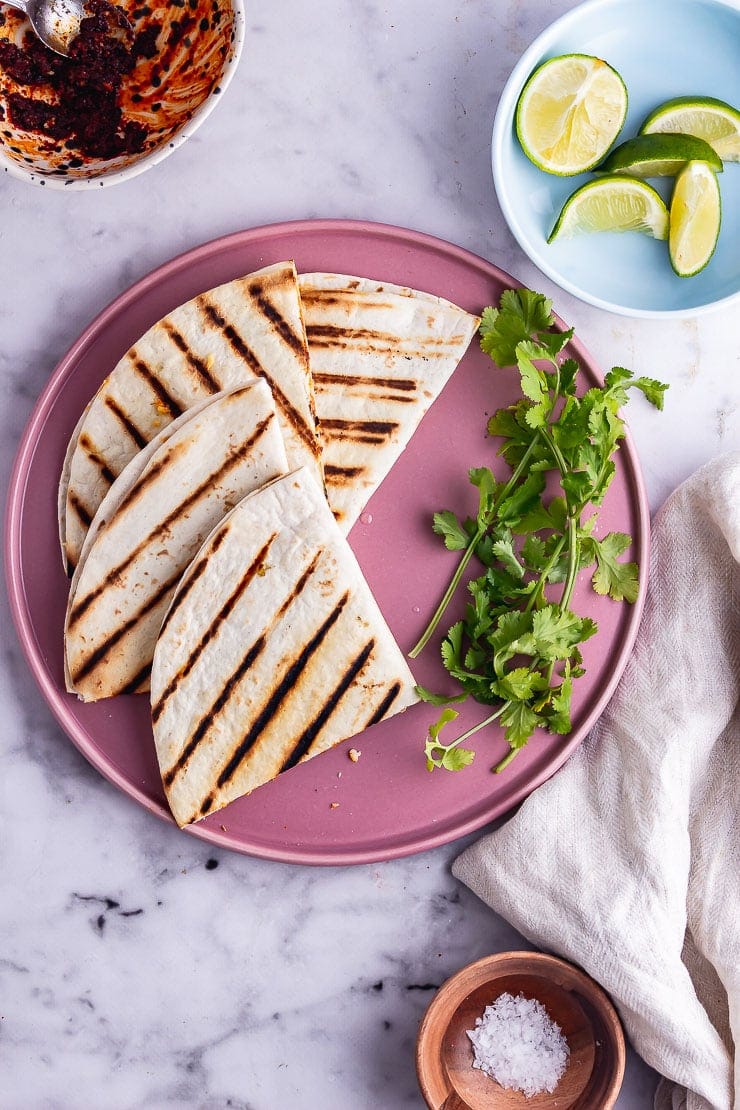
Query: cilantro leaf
[(522, 314), (438, 699), (454, 759), (448, 526), (618, 580)]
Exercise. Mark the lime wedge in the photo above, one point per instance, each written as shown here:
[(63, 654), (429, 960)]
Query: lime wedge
[(660, 155), (696, 213), (617, 203), (713, 120), (570, 112)]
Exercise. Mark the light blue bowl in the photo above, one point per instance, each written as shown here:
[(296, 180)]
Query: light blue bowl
[(662, 49)]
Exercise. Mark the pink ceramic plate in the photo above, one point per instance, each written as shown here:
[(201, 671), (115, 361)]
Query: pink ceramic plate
[(389, 805)]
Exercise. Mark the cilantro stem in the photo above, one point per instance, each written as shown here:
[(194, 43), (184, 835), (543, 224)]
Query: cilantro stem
[(479, 726), (469, 552), (504, 763)]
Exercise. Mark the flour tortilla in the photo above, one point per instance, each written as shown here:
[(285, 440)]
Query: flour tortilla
[(247, 329), (273, 651), (380, 355), (118, 601)]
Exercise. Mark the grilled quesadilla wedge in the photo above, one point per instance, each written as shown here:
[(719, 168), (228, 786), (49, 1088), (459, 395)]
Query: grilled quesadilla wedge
[(131, 472), (64, 484), (118, 601), (229, 336), (273, 650), (380, 355)]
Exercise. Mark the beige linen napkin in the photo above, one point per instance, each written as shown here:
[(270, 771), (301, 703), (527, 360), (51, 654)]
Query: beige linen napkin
[(627, 862)]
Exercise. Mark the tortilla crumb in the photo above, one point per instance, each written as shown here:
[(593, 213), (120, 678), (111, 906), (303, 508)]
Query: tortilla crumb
[(354, 754)]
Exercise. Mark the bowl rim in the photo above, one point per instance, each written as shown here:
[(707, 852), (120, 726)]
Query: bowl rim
[(485, 970), (154, 157), (503, 121)]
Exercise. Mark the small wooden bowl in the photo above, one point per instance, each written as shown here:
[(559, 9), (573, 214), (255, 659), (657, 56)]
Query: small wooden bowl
[(588, 1020)]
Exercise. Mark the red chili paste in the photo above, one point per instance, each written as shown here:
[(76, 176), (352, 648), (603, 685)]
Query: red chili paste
[(85, 87)]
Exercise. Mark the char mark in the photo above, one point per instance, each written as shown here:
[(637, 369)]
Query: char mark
[(148, 478), (285, 685), (194, 362), (202, 727), (337, 475), (279, 323), (98, 655), (90, 450), (164, 398), (290, 413), (193, 576), (403, 385), (222, 615), (133, 687), (385, 705), (352, 429), (233, 681), (310, 733), (81, 511), (126, 423), (203, 489)]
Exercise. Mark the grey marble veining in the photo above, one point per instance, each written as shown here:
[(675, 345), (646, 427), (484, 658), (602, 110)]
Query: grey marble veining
[(139, 968)]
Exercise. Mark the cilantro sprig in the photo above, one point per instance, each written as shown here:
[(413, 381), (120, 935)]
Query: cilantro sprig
[(517, 647)]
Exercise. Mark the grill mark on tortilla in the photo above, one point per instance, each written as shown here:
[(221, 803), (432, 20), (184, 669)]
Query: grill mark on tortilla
[(194, 362), (349, 296), (81, 607), (132, 687), (81, 511), (310, 733), (126, 423), (385, 705), (222, 615), (91, 451), (194, 575), (338, 475), (405, 385), (155, 385), (374, 441), (100, 652), (350, 428), (236, 676), (148, 477), (337, 335), (279, 323), (284, 686), (291, 414)]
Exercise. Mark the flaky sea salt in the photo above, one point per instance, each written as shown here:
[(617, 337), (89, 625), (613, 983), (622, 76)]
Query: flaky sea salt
[(517, 1043)]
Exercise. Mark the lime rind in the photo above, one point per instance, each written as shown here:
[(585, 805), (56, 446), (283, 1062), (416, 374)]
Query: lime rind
[(695, 219), (705, 117), (612, 203), (659, 155), (570, 113)]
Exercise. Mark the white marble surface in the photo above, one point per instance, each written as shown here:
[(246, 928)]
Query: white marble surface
[(138, 968)]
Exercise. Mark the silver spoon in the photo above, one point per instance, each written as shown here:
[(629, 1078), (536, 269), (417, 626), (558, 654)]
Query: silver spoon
[(57, 22)]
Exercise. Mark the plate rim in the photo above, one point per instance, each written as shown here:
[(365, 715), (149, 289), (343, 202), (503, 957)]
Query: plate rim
[(326, 855), (503, 119)]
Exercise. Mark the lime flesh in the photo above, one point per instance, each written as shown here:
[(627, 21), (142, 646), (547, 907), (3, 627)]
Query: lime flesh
[(660, 155), (615, 203), (570, 112), (696, 214), (715, 121)]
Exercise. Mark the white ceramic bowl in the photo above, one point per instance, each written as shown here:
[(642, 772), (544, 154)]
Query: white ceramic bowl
[(662, 49), (203, 61)]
